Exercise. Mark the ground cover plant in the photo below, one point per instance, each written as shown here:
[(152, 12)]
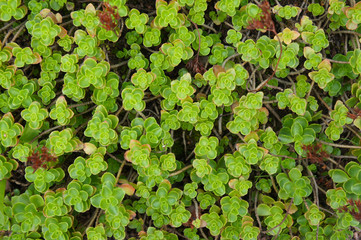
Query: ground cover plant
[(180, 119)]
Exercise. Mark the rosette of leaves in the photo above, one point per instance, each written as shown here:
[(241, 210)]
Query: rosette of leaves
[(354, 15), (9, 9), (323, 76), (142, 79), (6, 166), (270, 164), (215, 182), (340, 118), (347, 179), (268, 49), (251, 152), (34, 115), (129, 133), (26, 210), (355, 61), (66, 42), (57, 228), (101, 127), (233, 207), (233, 37), (62, 142), (45, 30), (21, 97), (314, 216), (93, 73), (118, 222), (5, 54), (21, 152), (79, 170), (317, 40), (153, 132), (236, 164), (176, 52), (61, 112), (169, 120), (86, 17), (197, 12), (336, 198), (240, 186), (289, 59), (182, 87), (133, 98), (313, 58), (275, 219), (170, 99), (207, 147), (46, 93), (137, 21), (179, 216), (71, 88), (214, 222), (226, 80), (189, 112), (269, 139), (206, 43), (43, 178), (138, 154), (219, 53), (164, 199), (78, 195), (287, 11), (110, 91), (95, 163), (299, 131), (249, 231), (69, 63), (151, 37), (9, 131), (54, 203), (87, 45), (228, 6), (287, 35), (294, 186), (7, 76), (94, 233), (183, 34), (167, 14), (248, 114), (288, 98), (24, 55), (109, 195), (248, 50)]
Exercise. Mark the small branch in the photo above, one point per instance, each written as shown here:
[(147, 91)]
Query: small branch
[(336, 61), (339, 145), (118, 65), (45, 132), (180, 171)]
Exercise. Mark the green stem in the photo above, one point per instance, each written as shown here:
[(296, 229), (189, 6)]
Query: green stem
[(2, 194)]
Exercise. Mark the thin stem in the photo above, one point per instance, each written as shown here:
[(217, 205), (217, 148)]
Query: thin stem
[(180, 171), (118, 65), (336, 61), (339, 145), (46, 132)]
